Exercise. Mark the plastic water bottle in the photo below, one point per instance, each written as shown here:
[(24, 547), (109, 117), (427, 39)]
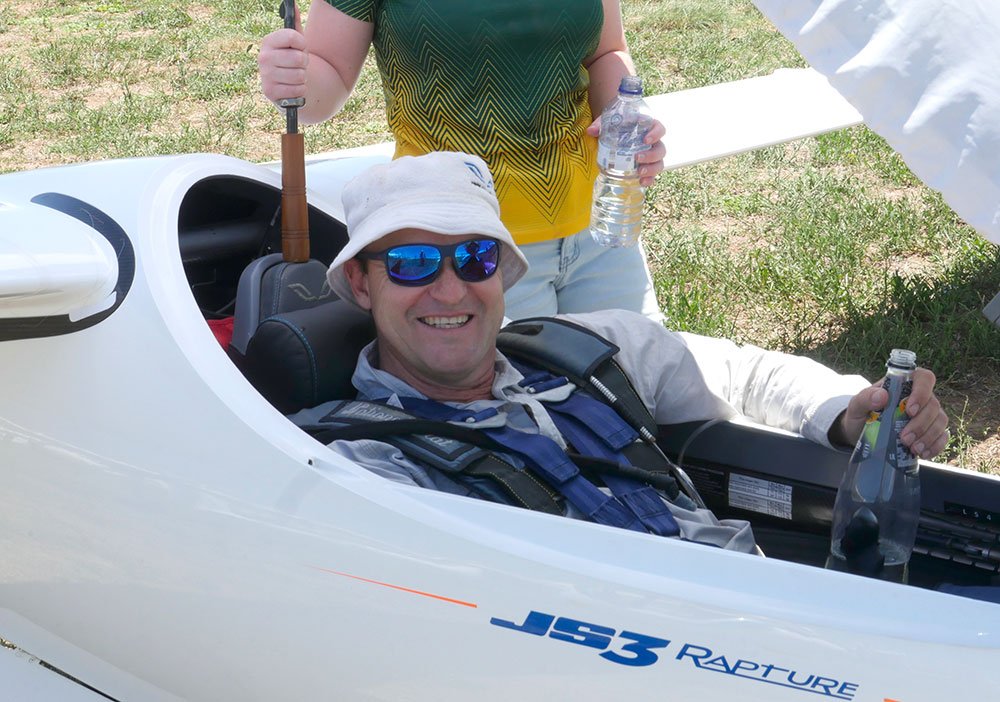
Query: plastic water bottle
[(877, 510), (616, 215)]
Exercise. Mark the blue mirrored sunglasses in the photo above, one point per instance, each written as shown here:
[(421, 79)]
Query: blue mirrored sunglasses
[(474, 260)]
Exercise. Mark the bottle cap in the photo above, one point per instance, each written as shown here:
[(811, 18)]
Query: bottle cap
[(631, 85), (902, 358)]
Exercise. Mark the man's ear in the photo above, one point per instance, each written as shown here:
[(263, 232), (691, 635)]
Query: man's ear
[(358, 280)]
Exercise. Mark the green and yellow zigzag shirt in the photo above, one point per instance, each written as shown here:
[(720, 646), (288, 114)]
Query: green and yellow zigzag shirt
[(502, 79)]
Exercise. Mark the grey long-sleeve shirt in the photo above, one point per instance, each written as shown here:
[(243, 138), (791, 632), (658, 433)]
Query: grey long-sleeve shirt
[(681, 377)]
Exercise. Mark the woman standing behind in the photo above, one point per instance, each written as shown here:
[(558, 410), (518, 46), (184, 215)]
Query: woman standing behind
[(517, 82)]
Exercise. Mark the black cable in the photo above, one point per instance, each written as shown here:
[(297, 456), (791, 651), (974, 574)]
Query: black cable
[(604, 466), (694, 435)]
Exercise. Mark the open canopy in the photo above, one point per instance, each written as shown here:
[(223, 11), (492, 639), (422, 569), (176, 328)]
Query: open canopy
[(925, 75)]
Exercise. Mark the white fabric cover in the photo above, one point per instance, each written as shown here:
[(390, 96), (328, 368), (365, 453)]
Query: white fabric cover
[(925, 75)]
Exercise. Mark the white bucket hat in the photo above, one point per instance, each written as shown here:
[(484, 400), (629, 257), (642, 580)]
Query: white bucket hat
[(443, 192)]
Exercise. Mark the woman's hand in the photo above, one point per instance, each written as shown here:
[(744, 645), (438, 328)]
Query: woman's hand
[(652, 158), (282, 62)]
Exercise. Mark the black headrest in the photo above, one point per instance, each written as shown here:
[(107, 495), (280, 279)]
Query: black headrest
[(302, 358), (269, 286)]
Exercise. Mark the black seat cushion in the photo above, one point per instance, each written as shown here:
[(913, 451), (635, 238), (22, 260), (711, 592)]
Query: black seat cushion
[(301, 358)]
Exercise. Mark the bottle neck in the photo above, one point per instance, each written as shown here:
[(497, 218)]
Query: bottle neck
[(899, 371)]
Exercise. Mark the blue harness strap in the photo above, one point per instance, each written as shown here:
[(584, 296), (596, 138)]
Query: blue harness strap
[(597, 430), (545, 456)]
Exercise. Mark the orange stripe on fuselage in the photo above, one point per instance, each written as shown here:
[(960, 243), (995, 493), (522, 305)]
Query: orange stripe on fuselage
[(397, 587)]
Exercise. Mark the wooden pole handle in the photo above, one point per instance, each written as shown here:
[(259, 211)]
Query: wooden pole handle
[(294, 209)]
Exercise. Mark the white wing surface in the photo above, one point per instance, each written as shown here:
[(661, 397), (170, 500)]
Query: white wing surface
[(925, 75)]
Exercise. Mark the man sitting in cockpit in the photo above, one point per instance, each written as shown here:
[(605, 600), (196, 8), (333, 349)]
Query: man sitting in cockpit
[(430, 259)]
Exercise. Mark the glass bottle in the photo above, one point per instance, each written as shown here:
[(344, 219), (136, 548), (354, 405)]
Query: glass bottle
[(878, 504)]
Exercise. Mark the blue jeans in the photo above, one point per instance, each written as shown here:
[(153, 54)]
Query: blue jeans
[(576, 274)]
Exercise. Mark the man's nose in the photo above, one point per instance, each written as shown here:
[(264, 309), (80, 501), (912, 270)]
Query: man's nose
[(448, 287)]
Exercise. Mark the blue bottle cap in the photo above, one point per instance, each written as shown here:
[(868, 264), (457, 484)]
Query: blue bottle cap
[(631, 85)]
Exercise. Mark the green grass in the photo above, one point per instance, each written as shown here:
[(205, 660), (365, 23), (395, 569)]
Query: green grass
[(815, 259), (828, 246)]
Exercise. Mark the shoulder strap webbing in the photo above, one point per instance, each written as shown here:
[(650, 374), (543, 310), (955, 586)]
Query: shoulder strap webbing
[(463, 452), (586, 358), (596, 430), (547, 459), (456, 450), (583, 356), (416, 429)]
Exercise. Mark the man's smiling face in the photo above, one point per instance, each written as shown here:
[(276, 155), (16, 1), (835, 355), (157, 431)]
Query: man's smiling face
[(440, 338)]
